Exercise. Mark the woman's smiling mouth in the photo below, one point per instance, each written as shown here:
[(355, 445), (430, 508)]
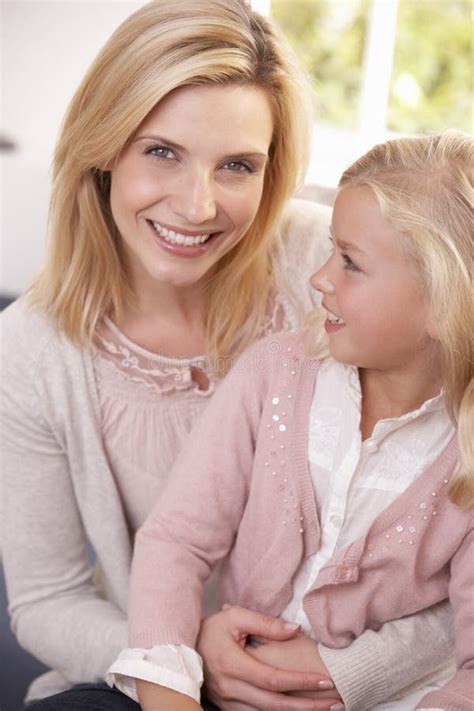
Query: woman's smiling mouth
[(179, 242), (174, 237)]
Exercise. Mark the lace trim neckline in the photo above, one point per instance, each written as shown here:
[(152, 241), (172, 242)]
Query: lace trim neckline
[(122, 365), (116, 356)]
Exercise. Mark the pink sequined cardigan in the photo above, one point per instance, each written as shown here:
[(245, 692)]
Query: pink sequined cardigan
[(242, 485)]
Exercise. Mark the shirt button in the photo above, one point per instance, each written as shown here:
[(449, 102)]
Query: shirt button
[(370, 447), (336, 520)]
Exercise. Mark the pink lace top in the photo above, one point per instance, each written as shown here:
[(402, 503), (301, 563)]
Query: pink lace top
[(148, 404)]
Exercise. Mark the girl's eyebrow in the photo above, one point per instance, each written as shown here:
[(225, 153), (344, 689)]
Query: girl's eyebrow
[(345, 246)]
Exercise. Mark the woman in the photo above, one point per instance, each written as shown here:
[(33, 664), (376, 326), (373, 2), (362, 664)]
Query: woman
[(167, 256)]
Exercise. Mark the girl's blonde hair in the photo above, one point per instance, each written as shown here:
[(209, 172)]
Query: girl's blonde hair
[(165, 45), (424, 189)]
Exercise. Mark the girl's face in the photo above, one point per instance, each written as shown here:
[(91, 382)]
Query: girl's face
[(377, 317), (189, 184)]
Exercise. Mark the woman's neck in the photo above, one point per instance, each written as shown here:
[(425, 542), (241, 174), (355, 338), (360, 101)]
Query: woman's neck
[(169, 321)]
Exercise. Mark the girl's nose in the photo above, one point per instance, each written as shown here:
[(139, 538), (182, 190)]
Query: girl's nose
[(321, 280), (196, 201)]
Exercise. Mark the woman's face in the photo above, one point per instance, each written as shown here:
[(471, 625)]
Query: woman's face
[(189, 184)]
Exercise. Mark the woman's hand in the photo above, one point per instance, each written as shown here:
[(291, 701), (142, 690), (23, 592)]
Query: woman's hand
[(238, 680), (153, 697), (300, 653)]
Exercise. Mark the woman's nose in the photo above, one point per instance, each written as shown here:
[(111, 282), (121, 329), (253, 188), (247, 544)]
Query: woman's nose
[(196, 201), (321, 280)]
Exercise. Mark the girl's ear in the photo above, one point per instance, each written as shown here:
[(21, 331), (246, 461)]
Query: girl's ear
[(431, 329)]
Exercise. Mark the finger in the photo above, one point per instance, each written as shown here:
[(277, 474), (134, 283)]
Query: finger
[(317, 706), (247, 622), (318, 695), (253, 698), (236, 706)]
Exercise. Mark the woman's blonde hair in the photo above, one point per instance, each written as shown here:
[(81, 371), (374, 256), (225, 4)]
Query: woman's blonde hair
[(424, 188), (165, 45)]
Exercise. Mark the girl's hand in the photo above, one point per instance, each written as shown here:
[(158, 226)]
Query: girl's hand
[(236, 679), (153, 697)]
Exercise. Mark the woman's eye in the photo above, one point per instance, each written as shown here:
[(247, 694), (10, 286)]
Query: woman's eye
[(238, 166), (349, 264), (160, 152)]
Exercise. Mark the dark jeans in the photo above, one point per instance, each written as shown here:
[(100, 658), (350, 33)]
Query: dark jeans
[(92, 697)]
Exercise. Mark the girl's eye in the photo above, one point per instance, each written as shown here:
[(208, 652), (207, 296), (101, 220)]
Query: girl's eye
[(160, 152), (349, 264), (238, 166)]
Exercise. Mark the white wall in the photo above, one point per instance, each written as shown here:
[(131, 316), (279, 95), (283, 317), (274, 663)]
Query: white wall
[(46, 47)]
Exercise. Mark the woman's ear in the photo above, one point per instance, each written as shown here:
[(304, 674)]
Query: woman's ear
[(102, 179), (106, 167)]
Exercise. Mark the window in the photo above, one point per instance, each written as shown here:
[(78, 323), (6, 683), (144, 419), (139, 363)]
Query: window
[(379, 67)]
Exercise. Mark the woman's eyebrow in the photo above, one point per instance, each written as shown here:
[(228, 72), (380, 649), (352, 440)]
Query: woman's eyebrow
[(160, 139), (246, 153)]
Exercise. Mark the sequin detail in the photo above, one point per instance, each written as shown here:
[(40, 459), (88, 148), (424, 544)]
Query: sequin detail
[(290, 509)]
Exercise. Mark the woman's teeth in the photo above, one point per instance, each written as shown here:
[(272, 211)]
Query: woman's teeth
[(177, 238)]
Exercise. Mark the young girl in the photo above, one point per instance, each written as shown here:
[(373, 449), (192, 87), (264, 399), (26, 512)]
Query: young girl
[(338, 490)]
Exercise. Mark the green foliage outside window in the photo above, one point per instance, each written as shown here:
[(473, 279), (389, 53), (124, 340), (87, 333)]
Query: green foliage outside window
[(328, 38), (431, 85)]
